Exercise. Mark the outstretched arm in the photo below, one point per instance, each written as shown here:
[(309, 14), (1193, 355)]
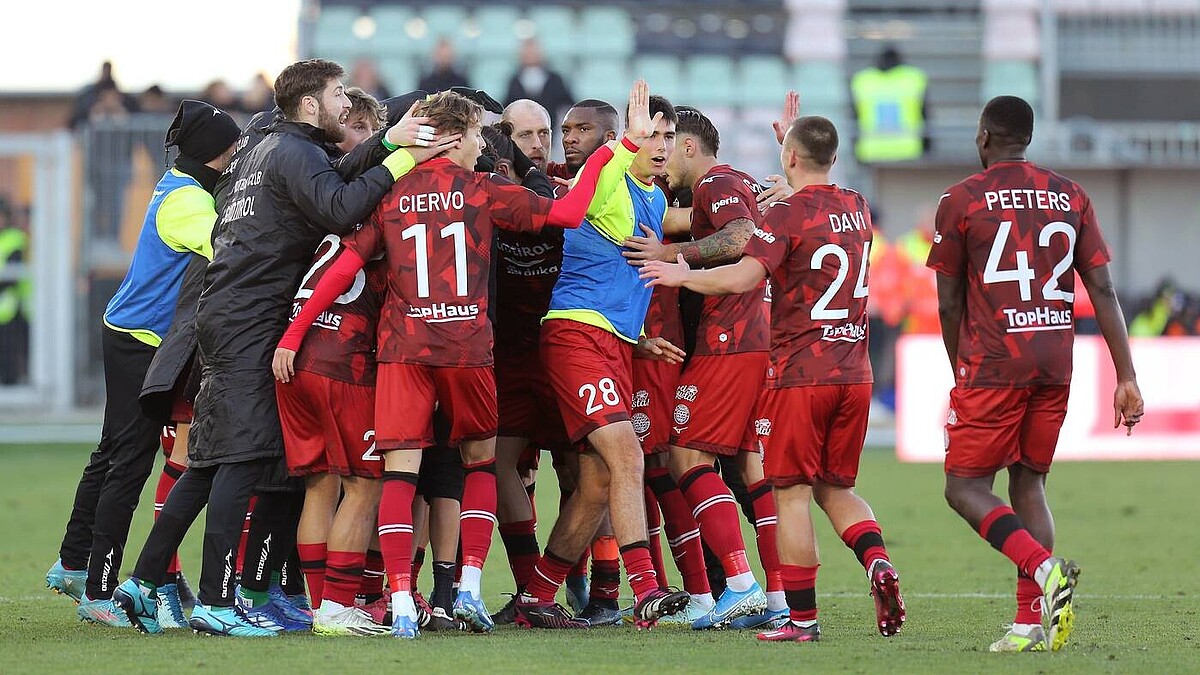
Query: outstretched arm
[(722, 247), (739, 277), (335, 282), (569, 211), (1127, 400)]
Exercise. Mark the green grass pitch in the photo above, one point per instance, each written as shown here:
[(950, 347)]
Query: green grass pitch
[(1130, 525)]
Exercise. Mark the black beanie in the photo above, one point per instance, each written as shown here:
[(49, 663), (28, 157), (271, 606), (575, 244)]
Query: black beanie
[(202, 131)]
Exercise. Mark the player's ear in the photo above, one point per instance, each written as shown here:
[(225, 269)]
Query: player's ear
[(610, 136), (833, 160)]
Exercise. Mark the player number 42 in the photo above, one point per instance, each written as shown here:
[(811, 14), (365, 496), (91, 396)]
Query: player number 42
[(607, 390), (1023, 274)]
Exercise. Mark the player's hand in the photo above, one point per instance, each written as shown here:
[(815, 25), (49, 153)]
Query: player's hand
[(658, 349), (1127, 405), (791, 110), (439, 147), (283, 365), (410, 131), (640, 126), (659, 273), (778, 191), (560, 181), (645, 248)]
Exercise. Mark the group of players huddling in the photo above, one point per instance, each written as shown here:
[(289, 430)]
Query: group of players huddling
[(471, 304)]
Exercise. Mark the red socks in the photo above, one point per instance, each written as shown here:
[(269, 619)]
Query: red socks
[(866, 540), (765, 526), (548, 575), (312, 565), (478, 516), (606, 569), (166, 480), (1029, 601), (521, 544), (640, 569), (343, 576), (654, 534), (683, 534), (800, 588), (373, 576), (1007, 534), (396, 528), (716, 511)]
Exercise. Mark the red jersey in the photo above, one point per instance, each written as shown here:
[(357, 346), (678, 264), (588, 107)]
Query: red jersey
[(436, 226), (729, 324), (1014, 232), (528, 268), (343, 346), (816, 246)]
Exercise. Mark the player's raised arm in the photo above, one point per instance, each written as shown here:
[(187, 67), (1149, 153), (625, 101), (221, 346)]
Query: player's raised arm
[(739, 277), (1127, 399)]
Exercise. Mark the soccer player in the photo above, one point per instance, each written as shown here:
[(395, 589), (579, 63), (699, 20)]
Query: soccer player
[(531, 133), (1006, 242), (178, 222), (813, 412), (286, 196), (435, 341), (596, 314)]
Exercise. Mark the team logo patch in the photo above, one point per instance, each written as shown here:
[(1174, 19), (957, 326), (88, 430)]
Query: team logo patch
[(641, 424), (946, 439), (682, 414), (952, 417), (686, 392), (641, 399), (762, 427)]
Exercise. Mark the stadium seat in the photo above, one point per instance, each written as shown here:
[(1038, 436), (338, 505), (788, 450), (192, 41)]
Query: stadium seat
[(824, 89), (710, 80), (607, 32), (334, 32), (662, 73), (391, 32), (556, 30), (400, 73), (497, 26), (492, 75), (762, 80), (1013, 78), (605, 79), (449, 21)]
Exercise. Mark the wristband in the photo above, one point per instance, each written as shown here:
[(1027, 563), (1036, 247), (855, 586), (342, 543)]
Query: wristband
[(391, 147)]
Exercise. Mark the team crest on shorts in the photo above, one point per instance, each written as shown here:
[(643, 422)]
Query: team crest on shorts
[(682, 414), (641, 399), (762, 427), (641, 423), (952, 417), (686, 392)]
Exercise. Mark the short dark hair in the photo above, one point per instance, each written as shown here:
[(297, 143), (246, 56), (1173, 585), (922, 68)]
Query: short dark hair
[(303, 78), (818, 138), (659, 104), (1009, 118), (694, 123), (604, 110), (499, 142)]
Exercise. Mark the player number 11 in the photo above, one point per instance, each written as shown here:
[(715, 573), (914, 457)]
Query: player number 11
[(420, 232)]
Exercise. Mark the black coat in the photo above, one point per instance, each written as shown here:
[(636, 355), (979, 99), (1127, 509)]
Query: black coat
[(286, 195)]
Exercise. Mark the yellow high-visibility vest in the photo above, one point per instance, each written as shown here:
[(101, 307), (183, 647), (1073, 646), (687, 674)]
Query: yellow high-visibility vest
[(888, 105), (15, 297)]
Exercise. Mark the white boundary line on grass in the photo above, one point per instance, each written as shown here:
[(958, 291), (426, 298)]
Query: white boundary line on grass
[(1005, 596)]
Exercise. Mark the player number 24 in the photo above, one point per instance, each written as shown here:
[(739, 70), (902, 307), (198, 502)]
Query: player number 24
[(820, 310), (458, 232), (1023, 274), (608, 394)]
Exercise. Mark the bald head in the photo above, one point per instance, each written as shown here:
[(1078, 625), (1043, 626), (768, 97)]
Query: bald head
[(531, 130)]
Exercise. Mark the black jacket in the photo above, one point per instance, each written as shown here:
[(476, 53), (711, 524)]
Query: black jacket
[(285, 195)]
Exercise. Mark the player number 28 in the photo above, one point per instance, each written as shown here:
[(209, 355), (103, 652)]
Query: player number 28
[(458, 232), (331, 244), (820, 310), (608, 394), (1023, 274), (370, 455)]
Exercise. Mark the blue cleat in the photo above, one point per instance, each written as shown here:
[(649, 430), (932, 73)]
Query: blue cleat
[(578, 593), (768, 619), (405, 627), (732, 605), (472, 611), (71, 583), (170, 609), (187, 597), (103, 612), (294, 607), (139, 604), (226, 621), (270, 616)]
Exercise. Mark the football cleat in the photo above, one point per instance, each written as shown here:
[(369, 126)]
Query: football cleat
[(294, 607), (380, 610), (532, 613), (71, 583), (690, 613), (228, 621), (889, 605), (791, 631), (578, 592), (600, 613), (657, 604), (271, 617), (768, 618), (439, 620), (187, 597), (472, 612), (731, 605), (507, 613), (103, 612), (404, 627), (139, 607), (1057, 601), (1030, 638), (335, 619), (170, 609)]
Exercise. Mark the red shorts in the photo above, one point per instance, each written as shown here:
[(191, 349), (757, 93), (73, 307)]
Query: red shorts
[(813, 433), (591, 373), (407, 394), (991, 429), (654, 385), (715, 403), (527, 407), (328, 426)]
